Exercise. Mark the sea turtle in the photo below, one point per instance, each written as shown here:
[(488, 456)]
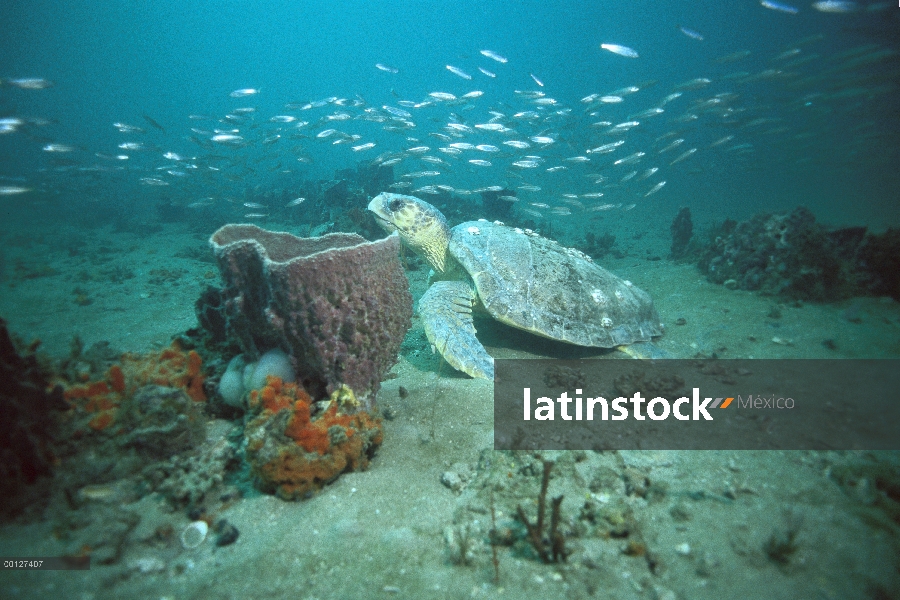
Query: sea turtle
[(519, 278)]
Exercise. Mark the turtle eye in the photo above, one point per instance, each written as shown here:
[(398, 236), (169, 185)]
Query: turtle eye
[(395, 205)]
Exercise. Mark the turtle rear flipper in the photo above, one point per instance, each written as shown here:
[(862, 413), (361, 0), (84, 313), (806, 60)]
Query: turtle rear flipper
[(446, 311), (644, 350)]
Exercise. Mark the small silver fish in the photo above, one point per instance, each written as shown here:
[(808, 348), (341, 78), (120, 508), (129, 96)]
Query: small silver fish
[(777, 6), (690, 33), (630, 159), (673, 145), (12, 190), (655, 188), (835, 6), (606, 148), (397, 112), (459, 72), (693, 84), (227, 138), (417, 174), (492, 127), (153, 181), (650, 112), (244, 92), (620, 50), (494, 56), (30, 83), (444, 96), (295, 202), (683, 156), (646, 174), (58, 148), (128, 128), (386, 68)]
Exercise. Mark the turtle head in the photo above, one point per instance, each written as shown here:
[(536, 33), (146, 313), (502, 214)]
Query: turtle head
[(421, 226)]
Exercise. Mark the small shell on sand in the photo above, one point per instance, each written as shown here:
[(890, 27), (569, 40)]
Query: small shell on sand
[(194, 534)]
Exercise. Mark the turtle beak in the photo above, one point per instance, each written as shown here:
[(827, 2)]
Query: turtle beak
[(378, 208)]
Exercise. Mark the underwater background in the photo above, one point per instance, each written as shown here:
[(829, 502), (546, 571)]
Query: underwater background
[(736, 161)]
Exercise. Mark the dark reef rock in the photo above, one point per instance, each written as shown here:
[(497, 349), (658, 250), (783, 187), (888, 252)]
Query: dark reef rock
[(26, 414), (786, 255), (793, 256), (878, 259), (682, 231), (598, 246)]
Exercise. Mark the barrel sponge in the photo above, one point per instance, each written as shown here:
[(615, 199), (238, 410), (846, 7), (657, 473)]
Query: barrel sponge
[(339, 305)]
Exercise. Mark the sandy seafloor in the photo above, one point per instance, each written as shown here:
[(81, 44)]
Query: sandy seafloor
[(390, 532)]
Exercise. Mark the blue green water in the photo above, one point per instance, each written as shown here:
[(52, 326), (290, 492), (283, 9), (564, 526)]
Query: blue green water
[(811, 108)]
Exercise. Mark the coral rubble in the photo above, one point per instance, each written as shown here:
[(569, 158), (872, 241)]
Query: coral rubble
[(100, 403), (296, 446), (339, 305)]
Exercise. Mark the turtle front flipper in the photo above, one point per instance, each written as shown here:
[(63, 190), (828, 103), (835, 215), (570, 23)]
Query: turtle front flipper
[(446, 311)]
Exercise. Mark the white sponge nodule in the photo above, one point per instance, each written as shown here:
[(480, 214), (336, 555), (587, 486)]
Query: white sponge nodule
[(241, 376)]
